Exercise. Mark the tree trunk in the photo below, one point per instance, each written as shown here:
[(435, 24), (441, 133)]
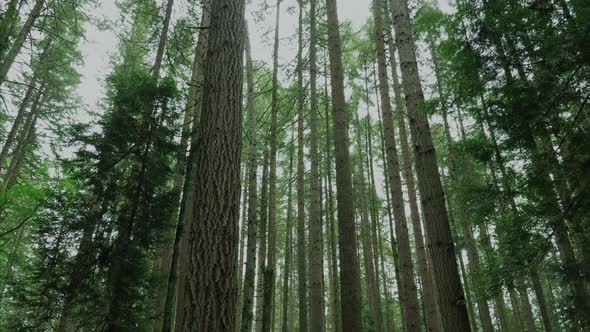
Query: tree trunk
[(368, 254), (350, 284), (19, 40), (444, 267), (472, 255), (409, 296), (432, 313), (316, 266), (288, 248), (334, 286), (269, 272), (543, 307), (211, 302), (388, 194), (301, 256), (262, 245), (180, 256), (20, 116), (525, 305), (250, 269)]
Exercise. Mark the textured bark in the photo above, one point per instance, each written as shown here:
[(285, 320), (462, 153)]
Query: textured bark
[(288, 249), (368, 254), (316, 266), (350, 284), (409, 296), (262, 239), (301, 255), (269, 272), (179, 264), (442, 249), (19, 40), (334, 285), (432, 313), (250, 269), (212, 287)]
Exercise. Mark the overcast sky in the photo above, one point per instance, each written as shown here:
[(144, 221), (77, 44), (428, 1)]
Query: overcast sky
[(99, 45)]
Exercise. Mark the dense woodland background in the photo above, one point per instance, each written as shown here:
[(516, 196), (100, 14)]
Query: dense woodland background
[(427, 172)]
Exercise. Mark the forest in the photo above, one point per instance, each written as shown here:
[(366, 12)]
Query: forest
[(295, 165)]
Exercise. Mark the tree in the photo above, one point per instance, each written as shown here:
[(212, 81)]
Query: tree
[(442, 248), (212, 305), (350, 288)]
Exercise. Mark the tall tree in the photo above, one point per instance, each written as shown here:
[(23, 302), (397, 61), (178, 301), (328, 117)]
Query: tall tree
[(316, 267), (301, 252), (438, 230), (350, 284), (214, 228), (250, 269), (409, 296)]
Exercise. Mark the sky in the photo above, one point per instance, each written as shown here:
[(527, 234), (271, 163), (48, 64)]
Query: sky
[(100, 45)]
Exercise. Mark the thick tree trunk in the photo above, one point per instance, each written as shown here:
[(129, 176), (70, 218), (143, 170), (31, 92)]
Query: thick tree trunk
[(211, 301), (350, 284), (269, 272), (409, 296), (525, 305), (316, 266), (17, 44), (250, 269), (444, 268)]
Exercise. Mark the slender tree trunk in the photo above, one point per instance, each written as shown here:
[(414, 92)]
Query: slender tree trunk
[(24, 139), (163, 38), (301, 256), (250, 269), (288, 248), (411, 316), (7, 22), (432, 313), (211, 302), (388, 195), (243, 228), (516, 308), (350, 284), (334, 286), (262, 245), (525, 305), (543, 307), (472, 255), (19, 40), (269, 272), (20, 116), (368, 254), (316, 266)]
